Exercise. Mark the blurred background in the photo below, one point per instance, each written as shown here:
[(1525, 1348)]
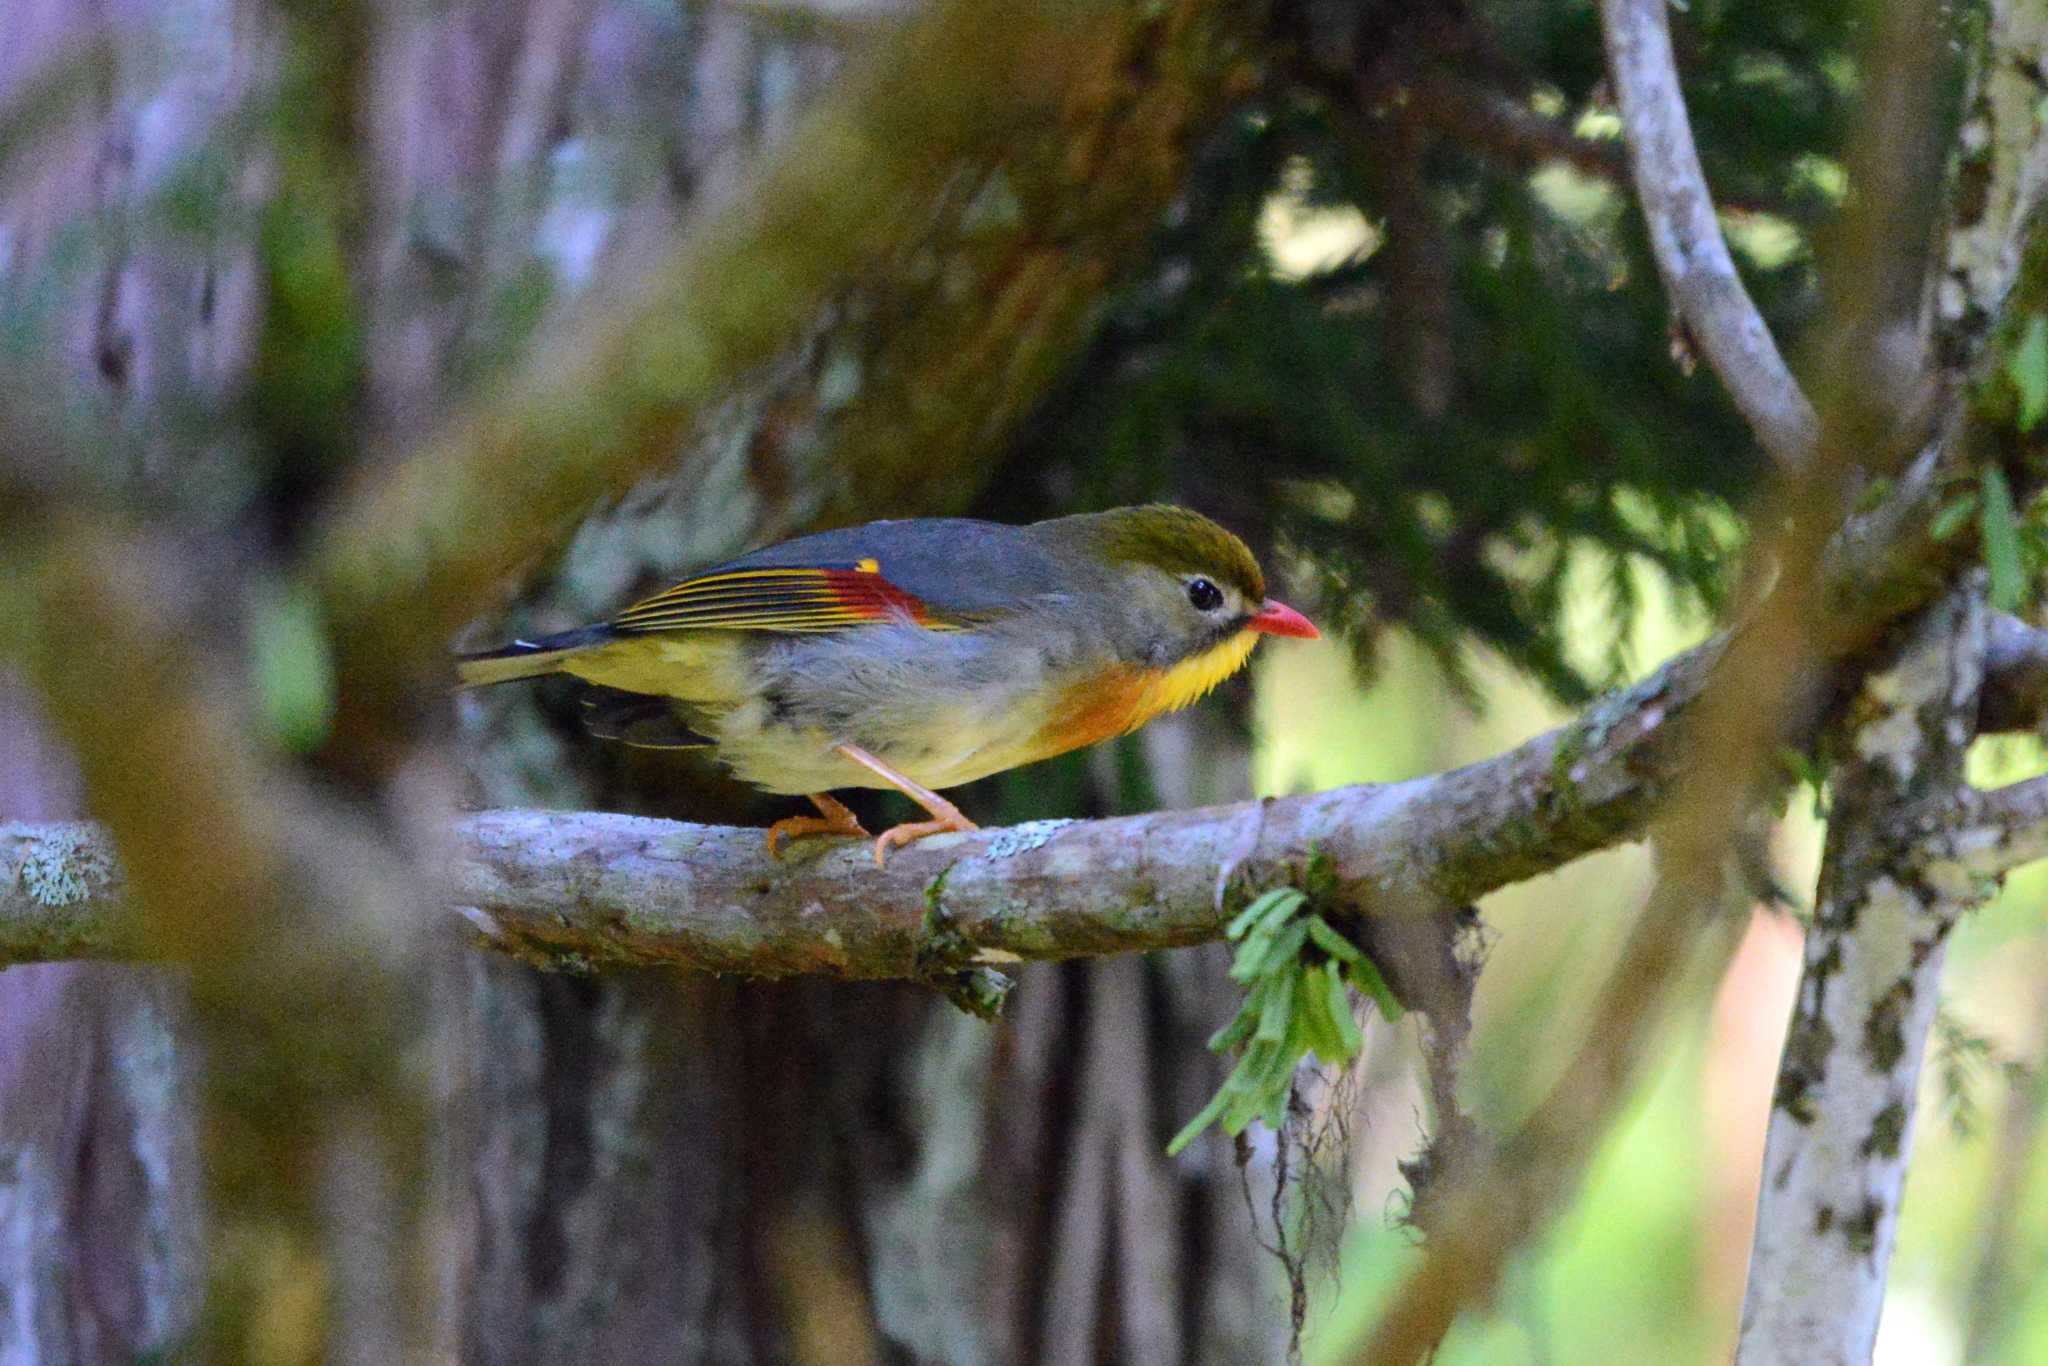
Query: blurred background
[(1363, 281)]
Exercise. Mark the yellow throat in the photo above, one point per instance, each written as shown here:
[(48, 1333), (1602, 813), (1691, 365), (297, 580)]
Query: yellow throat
[(1193, 678)]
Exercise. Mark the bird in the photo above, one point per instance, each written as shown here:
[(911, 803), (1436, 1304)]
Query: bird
[(918, 654)]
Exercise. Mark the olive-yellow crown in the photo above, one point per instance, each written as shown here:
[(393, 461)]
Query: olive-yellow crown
[(1173, 539)]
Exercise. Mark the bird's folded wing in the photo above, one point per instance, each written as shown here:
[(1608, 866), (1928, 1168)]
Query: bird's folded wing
[(824, 597)]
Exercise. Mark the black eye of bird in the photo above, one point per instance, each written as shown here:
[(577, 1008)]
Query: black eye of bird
[(1206, 596)]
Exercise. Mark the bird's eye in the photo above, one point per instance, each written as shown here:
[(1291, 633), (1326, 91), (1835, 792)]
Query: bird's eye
[(1206, 596)]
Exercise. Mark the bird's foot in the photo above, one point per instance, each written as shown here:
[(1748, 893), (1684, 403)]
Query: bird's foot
[(834, 819), (942, 822), (945, 816)]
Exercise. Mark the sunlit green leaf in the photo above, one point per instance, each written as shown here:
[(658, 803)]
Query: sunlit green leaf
[(1276, 904), (1953, 517), (2003, 555), (1292, 1007), (1365, 975), (1278, 1009), (1350, 1037), (1331, 942), (292, 667), (2027, 368), (1193, 1128)]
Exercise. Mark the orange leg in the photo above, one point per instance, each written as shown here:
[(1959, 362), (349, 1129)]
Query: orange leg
[(945, 815), (835, 820)]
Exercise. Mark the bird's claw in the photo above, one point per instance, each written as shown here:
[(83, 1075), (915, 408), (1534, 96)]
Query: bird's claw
[(948, 822), (836, 820)]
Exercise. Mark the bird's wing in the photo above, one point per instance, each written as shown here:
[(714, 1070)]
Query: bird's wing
[(810, 597), (639, 720)]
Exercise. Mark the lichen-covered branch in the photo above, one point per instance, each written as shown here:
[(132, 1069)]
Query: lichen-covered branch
[(590, 891), (1976, 834), (1686, 237), (1767, 692), (1842, 1115), (2004, 171)]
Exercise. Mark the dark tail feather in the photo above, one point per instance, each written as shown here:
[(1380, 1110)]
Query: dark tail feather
[(527, 658)]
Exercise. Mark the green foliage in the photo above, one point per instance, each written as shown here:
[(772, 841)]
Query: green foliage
[(1568, 425), (2006, 554), (1294, 966), (292, 667), (2027, 368), (1964, 1060), (2012, 542), (1954, 516)]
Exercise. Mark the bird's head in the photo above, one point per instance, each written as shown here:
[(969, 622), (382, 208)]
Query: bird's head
[(1188, 600)]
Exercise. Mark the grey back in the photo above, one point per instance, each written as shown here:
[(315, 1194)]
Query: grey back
[(955, 564)]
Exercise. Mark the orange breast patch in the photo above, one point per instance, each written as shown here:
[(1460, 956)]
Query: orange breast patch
[(1098, 708)]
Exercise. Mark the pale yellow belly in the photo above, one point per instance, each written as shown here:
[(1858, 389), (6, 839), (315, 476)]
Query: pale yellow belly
[(942, 709), (932, 740)]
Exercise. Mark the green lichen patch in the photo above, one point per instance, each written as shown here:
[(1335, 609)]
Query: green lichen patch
[(945, 959), (66, 867)]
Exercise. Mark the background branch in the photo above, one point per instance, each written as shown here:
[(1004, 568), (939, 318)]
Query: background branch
[(1691, 254), (1495, 121)]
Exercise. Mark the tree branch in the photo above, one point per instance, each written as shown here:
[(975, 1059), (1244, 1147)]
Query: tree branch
[(2005, 161), (1909, 849), (1783, 672), (591, 891), (1489, 119), (1686, 237), (1973, 835), (1493, 119), (292, 918)]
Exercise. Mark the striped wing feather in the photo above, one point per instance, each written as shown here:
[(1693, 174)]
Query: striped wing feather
[(823, 597)]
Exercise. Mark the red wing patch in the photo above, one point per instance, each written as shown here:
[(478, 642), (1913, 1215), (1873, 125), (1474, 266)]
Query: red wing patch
[(805, 598)]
